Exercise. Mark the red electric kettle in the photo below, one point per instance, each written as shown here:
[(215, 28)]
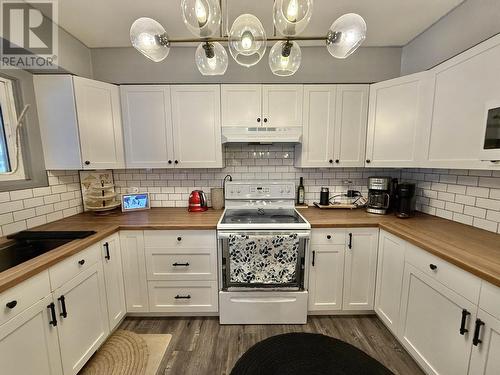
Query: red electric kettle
[(197, 201)]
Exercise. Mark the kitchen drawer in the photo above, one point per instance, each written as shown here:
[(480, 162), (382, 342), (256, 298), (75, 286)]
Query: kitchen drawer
[(202, 296), (489, 299), (446, 273), (24, 295), (328, 236), (181, 264), (185, 239), (72, 266)]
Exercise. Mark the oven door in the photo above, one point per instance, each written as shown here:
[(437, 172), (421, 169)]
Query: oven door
[(263, 260)]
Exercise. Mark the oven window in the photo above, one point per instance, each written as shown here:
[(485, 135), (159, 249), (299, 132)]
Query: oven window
[(492, 137)]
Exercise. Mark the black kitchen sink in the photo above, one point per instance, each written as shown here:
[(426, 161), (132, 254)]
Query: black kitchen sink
[(27, 245)]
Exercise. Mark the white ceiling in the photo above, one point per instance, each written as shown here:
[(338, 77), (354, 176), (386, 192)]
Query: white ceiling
[(106, 23)]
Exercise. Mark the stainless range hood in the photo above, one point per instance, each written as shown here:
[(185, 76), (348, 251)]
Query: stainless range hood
[(262, 134)]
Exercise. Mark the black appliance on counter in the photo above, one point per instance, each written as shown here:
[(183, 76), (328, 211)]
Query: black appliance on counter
[(405, 200)]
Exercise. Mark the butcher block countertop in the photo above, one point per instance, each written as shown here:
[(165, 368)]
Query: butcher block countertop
[(474, 250)]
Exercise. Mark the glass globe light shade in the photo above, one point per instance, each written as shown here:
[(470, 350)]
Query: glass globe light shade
[(284, 58), (247, 40), (150, 38), (201, 17), (292, 16), (345, 35), (211, 59)]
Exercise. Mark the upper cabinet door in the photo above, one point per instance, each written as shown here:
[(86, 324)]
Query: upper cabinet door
[(197, 126), (350, 125), (466, 85), (241, 105), (99, 122), (147, 126), (399, 112), (282, 105), (318, 133)]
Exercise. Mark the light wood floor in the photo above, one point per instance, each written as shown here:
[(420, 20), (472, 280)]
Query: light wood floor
[(201, 346)]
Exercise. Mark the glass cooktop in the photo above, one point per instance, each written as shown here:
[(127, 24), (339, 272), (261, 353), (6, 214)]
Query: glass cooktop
[(262, 216)]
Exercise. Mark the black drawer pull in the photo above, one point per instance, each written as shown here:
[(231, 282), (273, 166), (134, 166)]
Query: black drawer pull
[(433, 267), (179, 239), (465, 314), (182, 297), (314, 257), (476, 341), (328, 237), (350, 241), (180, 264), (52, 309), (106, 246), (81, 262), (64, 313), (11, 304)]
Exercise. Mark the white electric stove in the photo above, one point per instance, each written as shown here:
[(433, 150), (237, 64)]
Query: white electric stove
[(263, 249)]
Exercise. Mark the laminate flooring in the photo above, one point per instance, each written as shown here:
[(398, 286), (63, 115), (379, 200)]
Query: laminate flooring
[(200, 346)]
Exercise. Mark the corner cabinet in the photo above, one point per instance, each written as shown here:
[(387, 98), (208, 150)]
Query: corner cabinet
[(334, 131), (80, 122), (399, 114)]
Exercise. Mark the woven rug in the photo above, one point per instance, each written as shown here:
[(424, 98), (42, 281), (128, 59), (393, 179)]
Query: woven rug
[(128, 353)]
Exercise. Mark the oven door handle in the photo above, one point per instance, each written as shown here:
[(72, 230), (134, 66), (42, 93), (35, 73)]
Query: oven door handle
[(222, 235)]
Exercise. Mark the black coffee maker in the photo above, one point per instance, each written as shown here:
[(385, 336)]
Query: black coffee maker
[(405, 200)]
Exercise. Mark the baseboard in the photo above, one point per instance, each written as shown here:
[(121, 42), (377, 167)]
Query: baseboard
[(341, 312)]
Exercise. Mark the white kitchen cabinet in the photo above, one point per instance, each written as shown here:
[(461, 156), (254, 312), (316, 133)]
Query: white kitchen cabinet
[(399, 112), (464, 85), (113, 277), (80, 122), (325, 277), (390, 269), (241, 105), (360, 268), (282, 105), (197, 126), (83, 317), (147, 126), (29, 344), (134, 271), (484, 358), (431, 316)]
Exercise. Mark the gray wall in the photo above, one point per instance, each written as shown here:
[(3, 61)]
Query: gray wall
[(126, 65), (465, 26), (74, 56)]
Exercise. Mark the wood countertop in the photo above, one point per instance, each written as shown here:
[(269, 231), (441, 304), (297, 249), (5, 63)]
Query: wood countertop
[(474, 250)]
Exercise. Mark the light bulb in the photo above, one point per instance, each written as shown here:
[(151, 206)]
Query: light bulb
[(292, 10), (284, 62), (212, 63), (146, 40), (201, 12), (247, 40), (285, 58)]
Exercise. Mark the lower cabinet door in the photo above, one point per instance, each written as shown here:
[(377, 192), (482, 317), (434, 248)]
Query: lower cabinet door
[(183, 296), (436, 324), (83, 317), (485, 358), (29, 343), (360, 269), (326, 273)]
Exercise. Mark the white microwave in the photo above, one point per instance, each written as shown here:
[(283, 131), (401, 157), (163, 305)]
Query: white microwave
[(490, 145)]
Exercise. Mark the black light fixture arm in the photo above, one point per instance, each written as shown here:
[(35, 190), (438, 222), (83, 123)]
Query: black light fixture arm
[(226, 39)]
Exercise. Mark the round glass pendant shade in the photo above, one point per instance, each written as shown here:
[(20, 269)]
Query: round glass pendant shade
[(284, 58), (150, 38), (201, 17), (211, 59), (247, 40), (292, 16), (346, 34)]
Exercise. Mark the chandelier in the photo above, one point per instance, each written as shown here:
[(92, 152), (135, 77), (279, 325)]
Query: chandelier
[(246, 40)]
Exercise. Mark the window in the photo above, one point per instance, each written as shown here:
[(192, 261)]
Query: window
[(11, 160)]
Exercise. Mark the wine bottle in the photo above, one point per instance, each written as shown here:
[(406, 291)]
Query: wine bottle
[(301, 192)]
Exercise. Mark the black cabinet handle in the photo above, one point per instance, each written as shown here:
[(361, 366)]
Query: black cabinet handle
[(176, 161), (265, 119), (314, 257), (170, 162), (106, 247), (350, 241), (337, 161), (64, 313), (465, 314), (179, 239), (331, 161), (258, 119), (368, 161), (476, 341), (182, 297), (180, 264), (433, 267), (328, 237), (87, 162), (11, 304), (81, 262), (52, 309)]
